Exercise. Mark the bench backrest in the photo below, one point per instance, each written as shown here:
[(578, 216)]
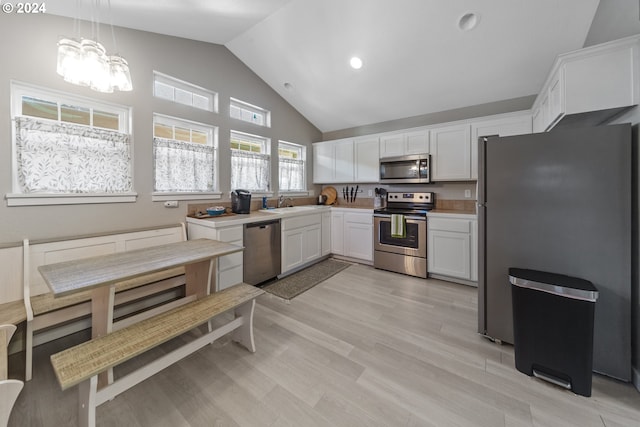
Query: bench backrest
[(41, 253)]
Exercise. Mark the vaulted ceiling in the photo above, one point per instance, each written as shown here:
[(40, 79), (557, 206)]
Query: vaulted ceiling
[(419, 56)]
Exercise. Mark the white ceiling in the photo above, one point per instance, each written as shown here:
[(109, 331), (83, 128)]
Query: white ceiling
[(416, 59)]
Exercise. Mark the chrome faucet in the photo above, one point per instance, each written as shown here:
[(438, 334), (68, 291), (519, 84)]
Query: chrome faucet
[(282, 202)]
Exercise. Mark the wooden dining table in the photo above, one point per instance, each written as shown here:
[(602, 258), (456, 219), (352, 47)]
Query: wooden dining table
[(101, 273)]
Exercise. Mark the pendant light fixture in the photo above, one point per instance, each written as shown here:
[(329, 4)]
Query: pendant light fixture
[(85, 62)]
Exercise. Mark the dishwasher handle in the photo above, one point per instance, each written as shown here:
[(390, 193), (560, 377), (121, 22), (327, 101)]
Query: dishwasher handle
[(263, 224)]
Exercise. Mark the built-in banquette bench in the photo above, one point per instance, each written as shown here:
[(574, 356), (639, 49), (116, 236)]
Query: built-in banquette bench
[(159, 290)]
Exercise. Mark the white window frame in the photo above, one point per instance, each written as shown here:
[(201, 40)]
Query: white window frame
[(17, 197), (265, 149), (182, 92), (212, 133), (241, 110), (302, 149)]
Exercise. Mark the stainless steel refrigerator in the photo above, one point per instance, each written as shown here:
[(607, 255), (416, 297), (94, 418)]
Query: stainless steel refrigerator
[(559, 202)]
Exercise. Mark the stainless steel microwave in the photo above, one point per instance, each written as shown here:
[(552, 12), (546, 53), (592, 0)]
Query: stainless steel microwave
[(405, 170)]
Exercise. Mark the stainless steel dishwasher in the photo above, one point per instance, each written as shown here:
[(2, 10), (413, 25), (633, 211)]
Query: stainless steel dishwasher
[(261, 251)]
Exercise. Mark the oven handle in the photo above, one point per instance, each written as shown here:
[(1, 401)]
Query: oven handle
[(415, 218)]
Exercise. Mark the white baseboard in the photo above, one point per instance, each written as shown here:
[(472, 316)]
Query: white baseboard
[(636, 378)]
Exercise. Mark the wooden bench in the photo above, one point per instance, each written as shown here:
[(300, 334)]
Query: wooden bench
[(42, 310), (80, 365)]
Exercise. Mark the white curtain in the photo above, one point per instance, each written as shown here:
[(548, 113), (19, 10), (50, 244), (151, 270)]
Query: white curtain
[(183, 166), (291, 174), (68, 158), (250, 171)]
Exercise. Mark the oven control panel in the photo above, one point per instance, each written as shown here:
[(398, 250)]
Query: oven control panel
[(409, 197)]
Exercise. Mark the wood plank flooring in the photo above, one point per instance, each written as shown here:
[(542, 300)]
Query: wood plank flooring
[(364, 348)]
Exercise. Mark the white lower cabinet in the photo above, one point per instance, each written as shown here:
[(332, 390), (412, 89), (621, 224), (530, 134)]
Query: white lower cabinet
[(326, 233), (358, 235), (452, 246), (352, 233), (301, 241), (229, 267), (337, 232)]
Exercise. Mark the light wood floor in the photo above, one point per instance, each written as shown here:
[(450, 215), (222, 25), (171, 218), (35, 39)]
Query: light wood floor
[(364, 348)]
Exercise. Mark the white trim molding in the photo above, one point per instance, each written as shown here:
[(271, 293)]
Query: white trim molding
[(19, 199)]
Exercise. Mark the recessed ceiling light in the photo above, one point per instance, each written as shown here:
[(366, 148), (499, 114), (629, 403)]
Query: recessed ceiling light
[(356, 63), (468, 21)]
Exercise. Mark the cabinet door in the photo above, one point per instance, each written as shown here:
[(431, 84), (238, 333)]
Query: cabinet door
[(326, 233), (323, 162), (556, 97), (312, 241), (449, 253), (391, 145), (367, 160), (538, 120), (292, 249), (359, 240), (416, 142), (451, 153), (343, 161), (337, 233), (503, 126)]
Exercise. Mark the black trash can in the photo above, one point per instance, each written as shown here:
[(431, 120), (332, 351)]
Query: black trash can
[(553, 327)]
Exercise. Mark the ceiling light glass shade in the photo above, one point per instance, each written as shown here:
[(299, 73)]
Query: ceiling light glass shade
[(97, 69), (70, 59), (86, 63), (120, 75)]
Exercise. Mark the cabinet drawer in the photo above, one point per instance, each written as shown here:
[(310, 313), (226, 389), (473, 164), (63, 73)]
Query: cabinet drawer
[(230, 234), (301, 221), (358, 218), (448, 224)]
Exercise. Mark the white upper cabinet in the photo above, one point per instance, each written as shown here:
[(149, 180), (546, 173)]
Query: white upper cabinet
[(416, 142), (590, 85), (343, 161), (323, 162), (333, 161), (391, 145), (504, 125), (450, 148), (346, 160), (367, 160), (406, 143)]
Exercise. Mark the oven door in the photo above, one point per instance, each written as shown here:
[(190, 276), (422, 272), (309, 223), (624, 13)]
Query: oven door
[(414, 244)]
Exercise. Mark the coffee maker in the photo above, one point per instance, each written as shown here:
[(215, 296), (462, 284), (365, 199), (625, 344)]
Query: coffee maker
[(240, 201)]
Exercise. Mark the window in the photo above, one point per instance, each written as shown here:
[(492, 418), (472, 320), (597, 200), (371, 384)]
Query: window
[(249, 113), (184, 154), (68, 149), (179, 91), (292, 158), (250, 162)]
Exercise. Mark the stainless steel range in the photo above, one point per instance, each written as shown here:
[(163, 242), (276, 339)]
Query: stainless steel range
[(398, 248)]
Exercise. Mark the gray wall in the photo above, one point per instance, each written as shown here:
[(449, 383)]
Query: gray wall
[(615, 19), (506, 106), (29, 55)]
